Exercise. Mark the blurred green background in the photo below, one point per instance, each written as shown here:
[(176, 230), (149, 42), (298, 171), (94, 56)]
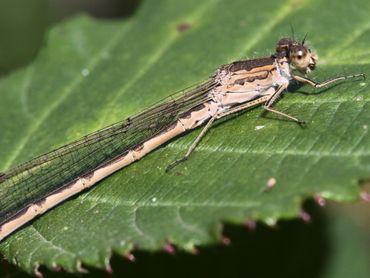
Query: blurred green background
[(335, 244), (22, 28), (23, 24)]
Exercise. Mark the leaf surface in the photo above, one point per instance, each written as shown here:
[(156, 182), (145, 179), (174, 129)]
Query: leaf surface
[(93, 73)]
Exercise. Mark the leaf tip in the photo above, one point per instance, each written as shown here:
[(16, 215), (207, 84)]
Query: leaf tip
[(37, 271), (169, 248), (305, 216), (80, 268), (55, 267), (365, 196), (108, 268), (271, 222), (130, 257), (225, 241), (319, 200), (251, 225)]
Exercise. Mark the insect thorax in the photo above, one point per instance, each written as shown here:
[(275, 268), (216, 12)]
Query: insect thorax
[(243, 81)]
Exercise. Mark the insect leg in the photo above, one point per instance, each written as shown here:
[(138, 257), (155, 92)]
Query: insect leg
[(193, 146), (284, 115), (272, 100), (327, 82)]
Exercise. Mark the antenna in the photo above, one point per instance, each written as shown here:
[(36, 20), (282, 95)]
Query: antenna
[(304, 39)]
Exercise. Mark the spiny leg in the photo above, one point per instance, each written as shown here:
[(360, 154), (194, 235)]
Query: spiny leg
[(327, 82), (273, 99), (193, 145), (301, 122)]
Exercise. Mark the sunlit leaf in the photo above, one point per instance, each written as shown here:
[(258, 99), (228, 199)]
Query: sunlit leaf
[(93, 73)]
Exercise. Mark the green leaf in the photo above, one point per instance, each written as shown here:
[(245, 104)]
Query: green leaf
[(323, 248), (93, 73)]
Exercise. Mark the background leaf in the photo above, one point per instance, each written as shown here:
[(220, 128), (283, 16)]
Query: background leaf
[(93, 73)]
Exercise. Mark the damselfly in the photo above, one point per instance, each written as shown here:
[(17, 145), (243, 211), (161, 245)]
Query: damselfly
[(34, 187)]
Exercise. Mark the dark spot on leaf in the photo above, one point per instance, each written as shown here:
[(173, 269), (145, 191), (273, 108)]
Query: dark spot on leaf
[(182, 27), (179, 174), (2, 177)]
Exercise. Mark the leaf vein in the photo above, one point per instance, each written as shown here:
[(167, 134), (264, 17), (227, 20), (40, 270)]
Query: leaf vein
[(153, 59), (65, 92)]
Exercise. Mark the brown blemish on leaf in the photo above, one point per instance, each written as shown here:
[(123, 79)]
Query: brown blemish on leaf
[(295, 4), (182, 27), (2, 177)]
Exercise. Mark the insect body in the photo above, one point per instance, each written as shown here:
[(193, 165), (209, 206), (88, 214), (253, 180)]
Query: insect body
[(34, 187)]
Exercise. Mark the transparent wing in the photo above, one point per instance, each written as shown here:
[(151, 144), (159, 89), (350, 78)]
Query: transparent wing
[(37, 178)]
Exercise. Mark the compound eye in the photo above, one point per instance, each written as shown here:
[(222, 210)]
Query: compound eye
[(299, 54)]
